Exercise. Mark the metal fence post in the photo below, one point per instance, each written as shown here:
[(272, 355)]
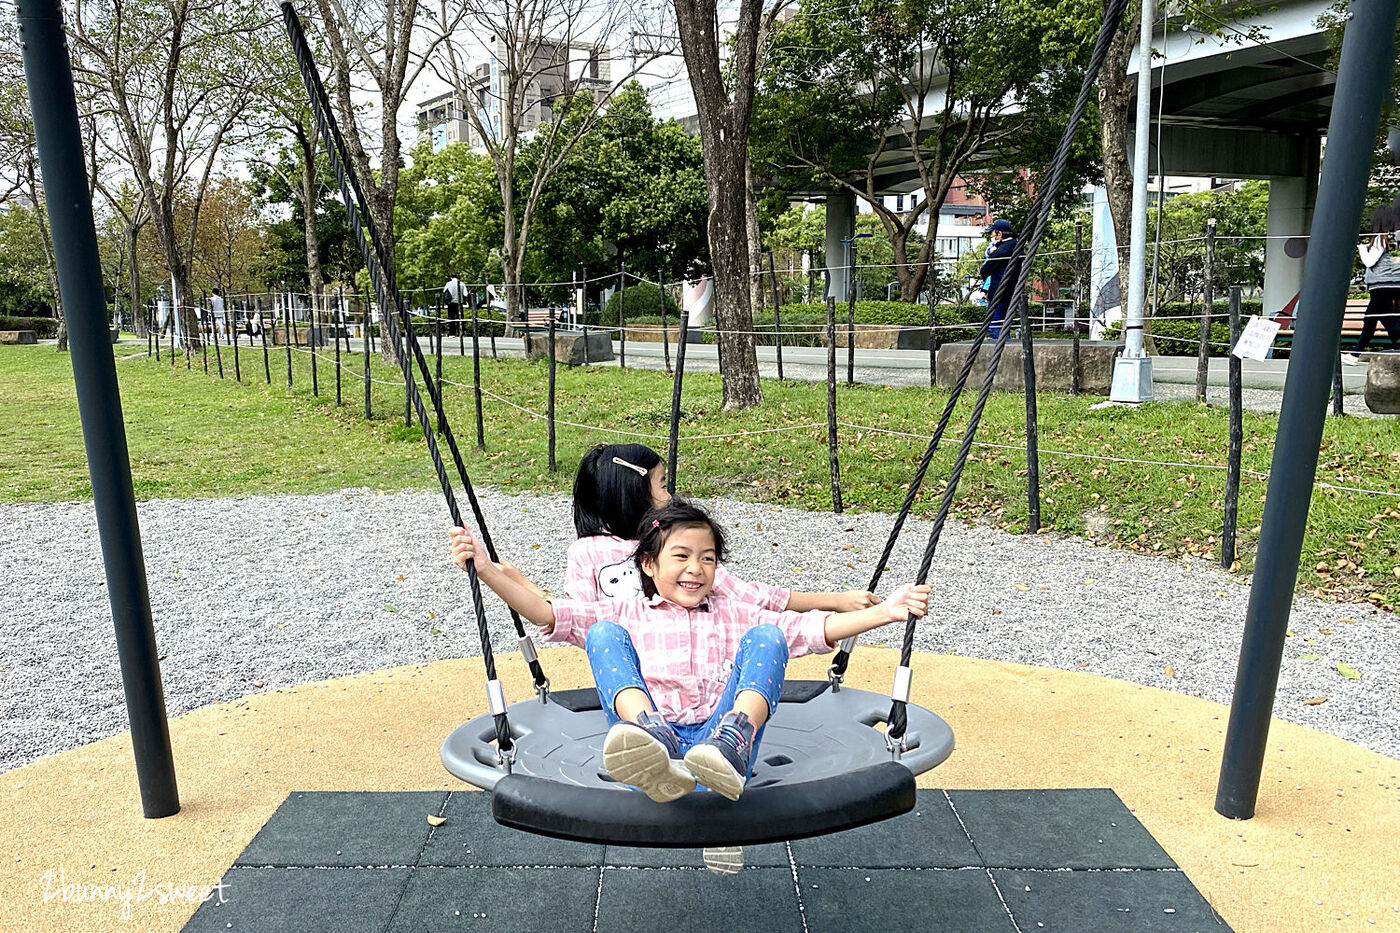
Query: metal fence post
[(832, 460)]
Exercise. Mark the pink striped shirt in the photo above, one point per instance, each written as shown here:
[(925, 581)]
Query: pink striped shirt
[(601, 567), (686, 654)]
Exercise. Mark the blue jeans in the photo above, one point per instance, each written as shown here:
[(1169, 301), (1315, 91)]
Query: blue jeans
[(998, 318), (759, 665)]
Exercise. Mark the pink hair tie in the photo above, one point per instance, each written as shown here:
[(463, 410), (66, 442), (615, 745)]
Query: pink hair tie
[(655, 523)]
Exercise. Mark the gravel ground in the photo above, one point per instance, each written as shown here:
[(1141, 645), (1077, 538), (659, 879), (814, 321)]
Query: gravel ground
[(258, 593)]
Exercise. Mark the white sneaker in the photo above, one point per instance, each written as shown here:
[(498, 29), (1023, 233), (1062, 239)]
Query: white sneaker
[(724, 860), (633, 755), (1351, 359)]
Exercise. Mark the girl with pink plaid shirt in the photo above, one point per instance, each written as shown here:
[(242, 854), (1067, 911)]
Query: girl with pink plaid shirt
[(687, 676)]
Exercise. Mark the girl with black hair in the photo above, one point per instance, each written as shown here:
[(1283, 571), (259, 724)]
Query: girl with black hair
[(615, 486), (687, 676)]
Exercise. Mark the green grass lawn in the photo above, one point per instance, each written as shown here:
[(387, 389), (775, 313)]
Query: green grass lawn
[(195, 435)]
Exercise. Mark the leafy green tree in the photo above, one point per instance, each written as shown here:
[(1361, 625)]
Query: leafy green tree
[(278, 188), (448, 217), (633, 185), (947, 85), (24, 280)]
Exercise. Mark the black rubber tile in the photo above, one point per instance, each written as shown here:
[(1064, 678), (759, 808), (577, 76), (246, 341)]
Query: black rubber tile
[(1077, 828), (769, 856), (471, 837), (498, 900), (302, 900), (1107, 902), (911, 901), (756, 900), (929, 836), (342, 828)]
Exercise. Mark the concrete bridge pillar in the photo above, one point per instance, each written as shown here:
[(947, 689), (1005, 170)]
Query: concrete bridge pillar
[(1291, 201), (840, 225)]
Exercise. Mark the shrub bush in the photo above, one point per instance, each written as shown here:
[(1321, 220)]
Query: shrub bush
[(641, 301), (43, 327)]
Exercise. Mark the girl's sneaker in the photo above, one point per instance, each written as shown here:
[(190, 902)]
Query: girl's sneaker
[(721, 762), (646, 754), (724, 860)]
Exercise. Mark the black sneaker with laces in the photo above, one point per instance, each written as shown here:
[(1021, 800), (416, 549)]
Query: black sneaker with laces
[(721, 762)]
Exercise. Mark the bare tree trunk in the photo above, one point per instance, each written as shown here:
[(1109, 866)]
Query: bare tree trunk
[(729, 254), (724, 134), (132, 232), (314, 275), (1116, 120)]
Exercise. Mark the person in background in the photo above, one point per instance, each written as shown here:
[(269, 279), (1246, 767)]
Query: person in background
[(218, 313), (996, 265), (453, 294), (1383, 285)]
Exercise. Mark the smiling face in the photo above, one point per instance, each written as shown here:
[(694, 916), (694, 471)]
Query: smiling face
[(656, 477), (684, 571)]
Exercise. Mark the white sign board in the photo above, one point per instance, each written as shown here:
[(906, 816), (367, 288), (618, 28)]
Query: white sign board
[(1257, 339)]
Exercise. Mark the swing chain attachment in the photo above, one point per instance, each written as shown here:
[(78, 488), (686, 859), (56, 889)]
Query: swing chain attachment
[(903, 679), (527, 648), (834, 673), (496, 701)]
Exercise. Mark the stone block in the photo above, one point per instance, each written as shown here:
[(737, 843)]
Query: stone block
[(318, 337), (1053, 365), (570, 347), (18, 336), (1383, 384), (881, 337), (651, 333)]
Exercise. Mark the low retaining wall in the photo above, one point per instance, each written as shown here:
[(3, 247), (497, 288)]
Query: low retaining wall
[(277, 336), (570, 348), (1383, 384), (881, 336), (1053, 365), (18, 336)]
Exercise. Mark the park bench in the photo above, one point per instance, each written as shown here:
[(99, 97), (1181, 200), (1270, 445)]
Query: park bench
[(1352, 320), (18, 336)]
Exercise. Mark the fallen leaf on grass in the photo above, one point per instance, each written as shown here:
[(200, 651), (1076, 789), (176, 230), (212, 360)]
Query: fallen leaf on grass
[(389, 608), (436, 820), (1348, 621), (1169, 671), (1315, 701), (1347, 671), (1022, 587), (400, 578), (1088, 582)]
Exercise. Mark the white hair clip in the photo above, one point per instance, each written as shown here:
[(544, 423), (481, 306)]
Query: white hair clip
[(631, 466)]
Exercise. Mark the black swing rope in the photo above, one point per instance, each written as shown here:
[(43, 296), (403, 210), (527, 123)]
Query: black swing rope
[(1025, 250), (391, 309)]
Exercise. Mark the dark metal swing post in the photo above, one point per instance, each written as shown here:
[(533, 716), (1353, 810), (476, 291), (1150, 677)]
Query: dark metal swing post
[(337, 327), (311, 346), (262, 332), (1032, 422), (549, 406), (832, 460), (476, 377), (49, 79), (777, 316), (674, 440), (621, 319), (1232, 462), (1208, 306), (1363, 85), (1078, 300), (665, 337)]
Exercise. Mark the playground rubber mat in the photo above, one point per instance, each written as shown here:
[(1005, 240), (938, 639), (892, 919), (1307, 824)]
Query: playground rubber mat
[(981, 861)]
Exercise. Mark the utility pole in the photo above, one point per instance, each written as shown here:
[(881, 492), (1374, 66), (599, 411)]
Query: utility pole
[(1132, 372)]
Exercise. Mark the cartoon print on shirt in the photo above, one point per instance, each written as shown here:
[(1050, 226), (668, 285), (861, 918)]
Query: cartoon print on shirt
[(620, 580)]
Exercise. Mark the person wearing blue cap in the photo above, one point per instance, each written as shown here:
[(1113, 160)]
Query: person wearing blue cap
[(995, 266)]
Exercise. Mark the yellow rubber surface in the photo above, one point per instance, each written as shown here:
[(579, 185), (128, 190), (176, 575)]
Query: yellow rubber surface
[(1322, 854)]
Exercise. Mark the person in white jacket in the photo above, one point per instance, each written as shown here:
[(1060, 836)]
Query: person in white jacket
[(1383, 284)]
